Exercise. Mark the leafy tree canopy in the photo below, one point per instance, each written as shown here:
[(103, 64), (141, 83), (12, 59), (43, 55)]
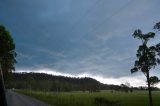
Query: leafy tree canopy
[(154, 80), (146, 55), (7, 51)]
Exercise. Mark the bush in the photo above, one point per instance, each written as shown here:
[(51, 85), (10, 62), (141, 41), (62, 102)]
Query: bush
[(100, 101)]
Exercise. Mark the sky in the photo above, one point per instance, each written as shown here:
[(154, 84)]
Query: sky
[(80, 38)]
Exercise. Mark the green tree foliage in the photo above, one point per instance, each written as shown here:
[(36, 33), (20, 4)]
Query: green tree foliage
[(7, 60), (7, 52), (157, 26), (154, 80), (147, 57)]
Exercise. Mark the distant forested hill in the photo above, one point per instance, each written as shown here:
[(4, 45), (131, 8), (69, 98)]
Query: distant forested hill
[(47, 82)]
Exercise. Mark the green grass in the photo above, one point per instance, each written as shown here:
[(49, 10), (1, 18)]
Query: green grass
[(104, 98)]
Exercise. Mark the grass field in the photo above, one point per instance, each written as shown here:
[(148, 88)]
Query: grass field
[(103, 98)]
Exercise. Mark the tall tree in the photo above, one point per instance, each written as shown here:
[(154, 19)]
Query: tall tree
[(147, 57), (7, 59)]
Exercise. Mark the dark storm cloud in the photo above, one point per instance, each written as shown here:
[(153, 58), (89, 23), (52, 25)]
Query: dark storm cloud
[(71, 36)]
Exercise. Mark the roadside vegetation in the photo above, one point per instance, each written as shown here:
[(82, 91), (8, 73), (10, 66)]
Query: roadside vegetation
[(102, 98)]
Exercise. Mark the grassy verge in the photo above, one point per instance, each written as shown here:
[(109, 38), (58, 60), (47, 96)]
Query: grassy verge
[(103, 98)]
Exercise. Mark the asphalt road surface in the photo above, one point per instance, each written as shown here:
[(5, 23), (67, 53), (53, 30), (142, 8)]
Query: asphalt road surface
[(16, 99)]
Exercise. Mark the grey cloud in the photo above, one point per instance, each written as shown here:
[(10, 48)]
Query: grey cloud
[(71, 36)]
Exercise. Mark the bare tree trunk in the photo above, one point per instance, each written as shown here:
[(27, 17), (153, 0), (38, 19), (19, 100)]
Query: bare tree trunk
[(3, 101), (149, 91)]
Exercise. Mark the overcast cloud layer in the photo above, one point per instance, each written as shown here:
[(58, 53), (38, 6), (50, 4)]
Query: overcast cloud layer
[(78, 36)]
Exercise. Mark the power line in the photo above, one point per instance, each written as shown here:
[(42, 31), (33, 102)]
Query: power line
[(85, 15), (107, 18)]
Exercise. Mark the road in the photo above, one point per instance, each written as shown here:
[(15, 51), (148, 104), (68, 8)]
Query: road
[(15, 99)]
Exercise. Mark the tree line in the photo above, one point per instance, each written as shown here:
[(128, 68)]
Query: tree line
[(46, 82)]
